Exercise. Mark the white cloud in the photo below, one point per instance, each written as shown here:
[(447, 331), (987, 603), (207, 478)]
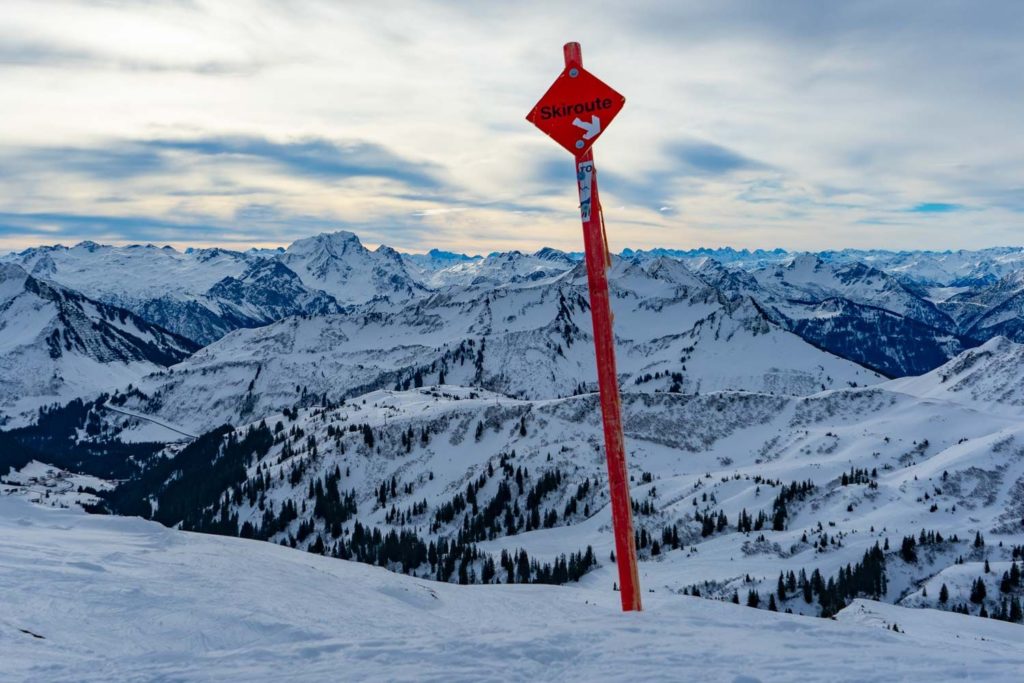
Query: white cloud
[(853, 113)]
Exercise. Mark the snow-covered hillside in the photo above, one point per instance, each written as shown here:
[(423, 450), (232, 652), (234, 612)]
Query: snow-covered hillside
[(95, 598), (162, 285), (855, 311), (997, 310), (732, 489), (56, 344), (496, 270), (204, 293)]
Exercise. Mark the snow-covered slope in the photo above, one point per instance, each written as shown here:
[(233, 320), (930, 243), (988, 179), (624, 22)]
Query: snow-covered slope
[(124, 275), (992, 311), (200, 294), (989, 375), (48, 485), (95, 598), (265, 292), (877, 465), (855, 311), (204, 293), (56, 344)]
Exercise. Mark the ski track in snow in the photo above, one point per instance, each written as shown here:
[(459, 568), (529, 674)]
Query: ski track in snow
[(126, 599)]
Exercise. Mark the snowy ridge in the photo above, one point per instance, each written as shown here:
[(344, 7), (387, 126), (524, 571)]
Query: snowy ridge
[(989, 375), (807, 277)]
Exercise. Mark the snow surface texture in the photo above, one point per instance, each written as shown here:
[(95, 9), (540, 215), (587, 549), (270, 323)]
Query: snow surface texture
[(94, 598)]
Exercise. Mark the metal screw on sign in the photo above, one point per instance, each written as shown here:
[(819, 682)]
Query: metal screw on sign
[(561, 114)]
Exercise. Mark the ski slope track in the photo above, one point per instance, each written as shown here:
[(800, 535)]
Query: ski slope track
[(93, 598)]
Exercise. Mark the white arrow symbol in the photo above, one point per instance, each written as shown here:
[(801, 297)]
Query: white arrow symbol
[(592, 128)]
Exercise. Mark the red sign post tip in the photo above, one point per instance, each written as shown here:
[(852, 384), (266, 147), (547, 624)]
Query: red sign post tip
[(573, 54)]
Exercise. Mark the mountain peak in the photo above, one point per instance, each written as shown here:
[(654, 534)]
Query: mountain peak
[(88, 245), (552, 254), (387, 252), (330, 243), (804, 262), (441, 255)]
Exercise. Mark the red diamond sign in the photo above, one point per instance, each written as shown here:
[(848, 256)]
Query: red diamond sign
[(576, 109)]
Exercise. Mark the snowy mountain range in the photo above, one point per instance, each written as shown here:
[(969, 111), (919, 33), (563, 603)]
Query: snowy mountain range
[(805, 431)]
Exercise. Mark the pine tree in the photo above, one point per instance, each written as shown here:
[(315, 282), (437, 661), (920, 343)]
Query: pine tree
[(908, 550), (944, 594), (772, 606), (753, 599), (978, 592)]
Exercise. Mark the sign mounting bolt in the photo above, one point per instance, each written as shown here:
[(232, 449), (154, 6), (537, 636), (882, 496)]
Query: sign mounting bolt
[(579, 144), (574, 72)]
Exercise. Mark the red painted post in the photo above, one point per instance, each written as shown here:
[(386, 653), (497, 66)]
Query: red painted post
[(607, 378)]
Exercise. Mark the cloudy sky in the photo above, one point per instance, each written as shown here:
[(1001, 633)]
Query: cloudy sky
[(805, 125)]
